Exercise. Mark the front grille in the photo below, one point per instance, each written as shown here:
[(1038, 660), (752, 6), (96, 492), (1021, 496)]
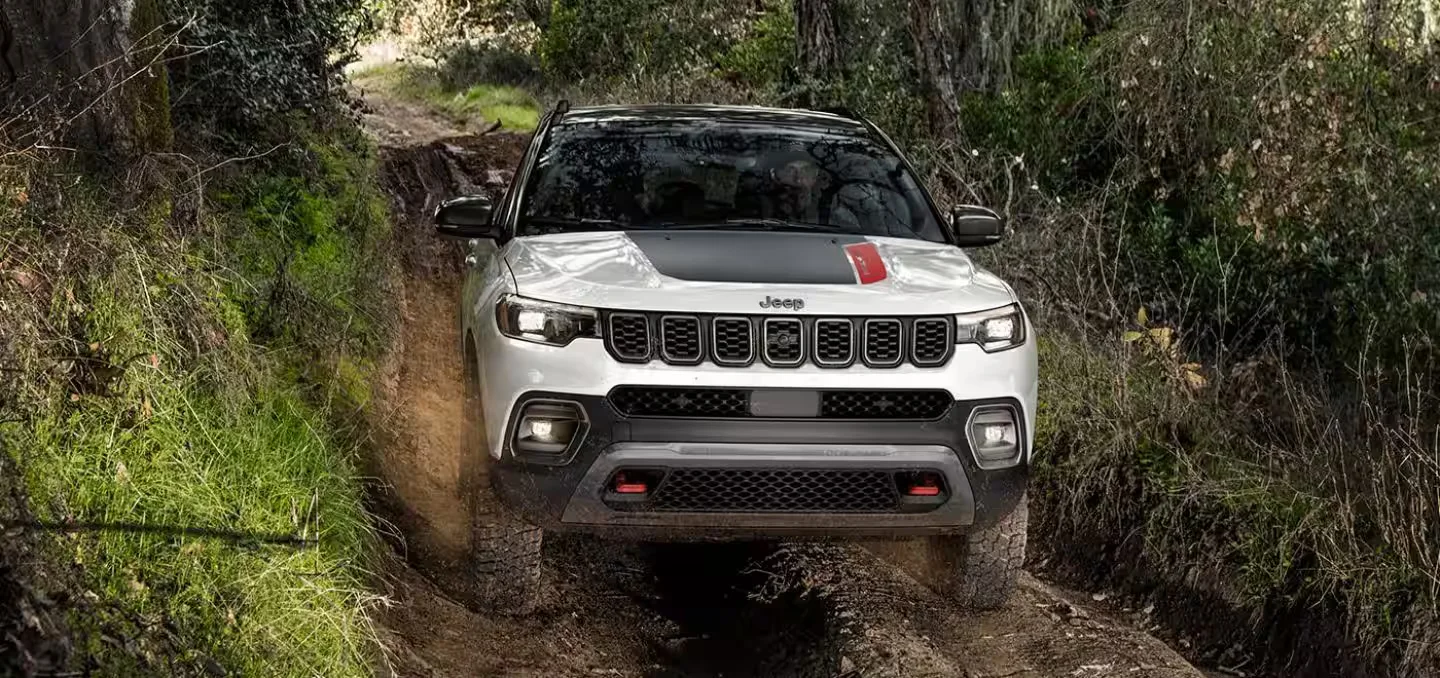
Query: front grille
[(784, 342), (629, 336), (763, 490), (731, 403), (731, 341), (884, 404), (930, 341), (884, 343), (834, 342), (680, 340), (779, 341), (644, 401)]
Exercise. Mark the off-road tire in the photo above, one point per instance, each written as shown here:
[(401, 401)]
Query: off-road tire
[(979, 569), (503, 569), (505, 566)]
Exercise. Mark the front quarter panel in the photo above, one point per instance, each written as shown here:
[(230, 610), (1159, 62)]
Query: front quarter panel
[(484, 285)]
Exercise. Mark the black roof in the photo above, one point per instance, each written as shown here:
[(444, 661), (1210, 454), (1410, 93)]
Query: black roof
[(679, 112)]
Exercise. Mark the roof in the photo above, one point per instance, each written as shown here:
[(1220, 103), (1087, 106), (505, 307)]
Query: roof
[(742, 114)]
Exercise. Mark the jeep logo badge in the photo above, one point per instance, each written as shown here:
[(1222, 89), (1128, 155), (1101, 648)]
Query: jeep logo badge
[(792, 304)]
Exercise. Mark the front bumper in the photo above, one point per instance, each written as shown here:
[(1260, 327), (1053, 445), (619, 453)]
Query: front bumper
[(573, 496)]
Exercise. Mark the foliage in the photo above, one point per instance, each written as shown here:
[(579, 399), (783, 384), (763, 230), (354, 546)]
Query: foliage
[(172, 372), (487, 63), (766, 56), (1248, 491), (305, 244), (247, 61), (606, 40)]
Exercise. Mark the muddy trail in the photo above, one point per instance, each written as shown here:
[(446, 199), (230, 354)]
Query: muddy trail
[(650, 610)]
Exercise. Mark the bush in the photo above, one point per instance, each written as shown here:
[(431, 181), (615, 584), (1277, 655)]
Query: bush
[(765, 57), (1292, 213), (467, 65), (610, 39), (260, 58)]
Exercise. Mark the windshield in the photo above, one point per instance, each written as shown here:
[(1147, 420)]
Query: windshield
[(684, 174)]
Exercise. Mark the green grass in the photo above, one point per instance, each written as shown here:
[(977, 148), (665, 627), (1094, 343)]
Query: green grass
[(265, 467), (1273, 511), (203, 379), (479, 104)]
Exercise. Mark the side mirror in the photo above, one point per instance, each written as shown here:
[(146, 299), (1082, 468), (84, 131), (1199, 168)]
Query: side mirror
[(466, 217), (976, 226)]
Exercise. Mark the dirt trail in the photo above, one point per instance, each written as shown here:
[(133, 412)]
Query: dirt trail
[(652, 610)]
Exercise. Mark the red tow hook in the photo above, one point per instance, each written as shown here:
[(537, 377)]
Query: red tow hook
[(622, 486), (927, 486)]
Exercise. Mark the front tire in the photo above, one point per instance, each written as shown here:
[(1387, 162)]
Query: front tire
[(979, 569), (503, 571)]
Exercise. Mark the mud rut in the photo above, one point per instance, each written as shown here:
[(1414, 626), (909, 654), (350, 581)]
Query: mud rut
[(639, 609)]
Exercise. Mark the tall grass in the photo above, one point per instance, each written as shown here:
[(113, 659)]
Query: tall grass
[(179, 394)]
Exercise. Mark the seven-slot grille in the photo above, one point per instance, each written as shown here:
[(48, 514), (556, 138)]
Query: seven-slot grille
[(779, 341), (732, 403)]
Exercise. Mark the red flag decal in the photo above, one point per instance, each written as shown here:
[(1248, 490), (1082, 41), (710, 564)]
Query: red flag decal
[(869, 267)]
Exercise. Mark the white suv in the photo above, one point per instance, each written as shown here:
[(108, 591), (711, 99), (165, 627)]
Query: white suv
[(707, 322)]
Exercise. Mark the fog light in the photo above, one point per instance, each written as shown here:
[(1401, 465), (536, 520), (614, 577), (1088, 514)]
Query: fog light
[(995, 436), (548, 427)]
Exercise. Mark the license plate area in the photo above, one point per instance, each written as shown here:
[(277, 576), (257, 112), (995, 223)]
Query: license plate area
[(784, 403)]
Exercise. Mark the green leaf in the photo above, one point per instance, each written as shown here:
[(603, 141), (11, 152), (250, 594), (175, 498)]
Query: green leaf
[(1142, 318), (1130, 336)]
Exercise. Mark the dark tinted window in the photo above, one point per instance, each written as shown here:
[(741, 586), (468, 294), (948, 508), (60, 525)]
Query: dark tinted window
[(648, 173)]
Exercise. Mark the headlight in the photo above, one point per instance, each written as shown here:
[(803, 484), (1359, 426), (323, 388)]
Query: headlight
[(544, 322), (994, 330)]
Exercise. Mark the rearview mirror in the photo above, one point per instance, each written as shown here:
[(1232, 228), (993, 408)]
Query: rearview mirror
[(466, 217), (976, 226)]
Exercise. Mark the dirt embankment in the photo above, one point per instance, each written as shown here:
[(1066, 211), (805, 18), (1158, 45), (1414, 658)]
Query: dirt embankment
[(655, 610)]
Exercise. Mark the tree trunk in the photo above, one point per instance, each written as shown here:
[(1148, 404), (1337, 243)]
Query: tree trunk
[(933, 48), (816, 25), (86, 74)]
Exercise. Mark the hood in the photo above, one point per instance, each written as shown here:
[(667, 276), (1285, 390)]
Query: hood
[(743, 271)]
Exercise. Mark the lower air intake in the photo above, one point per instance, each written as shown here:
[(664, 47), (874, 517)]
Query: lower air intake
[(777, 491)]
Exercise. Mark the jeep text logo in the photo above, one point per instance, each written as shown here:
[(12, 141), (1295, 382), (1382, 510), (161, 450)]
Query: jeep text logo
[(792, 304)]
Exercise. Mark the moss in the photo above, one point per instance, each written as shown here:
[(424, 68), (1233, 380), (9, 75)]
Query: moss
[(148, 96)]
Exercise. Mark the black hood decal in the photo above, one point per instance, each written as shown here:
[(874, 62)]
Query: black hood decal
[(750, 257)]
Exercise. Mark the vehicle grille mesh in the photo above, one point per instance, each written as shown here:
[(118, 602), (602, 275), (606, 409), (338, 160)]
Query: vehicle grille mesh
[(732, 342), (834, 342), (784, 341), (724, 403), (931, 341), (640, 401), (680, 339), (883, 342), (884, 404), (629, 336), (781, 341), (765, 490)]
